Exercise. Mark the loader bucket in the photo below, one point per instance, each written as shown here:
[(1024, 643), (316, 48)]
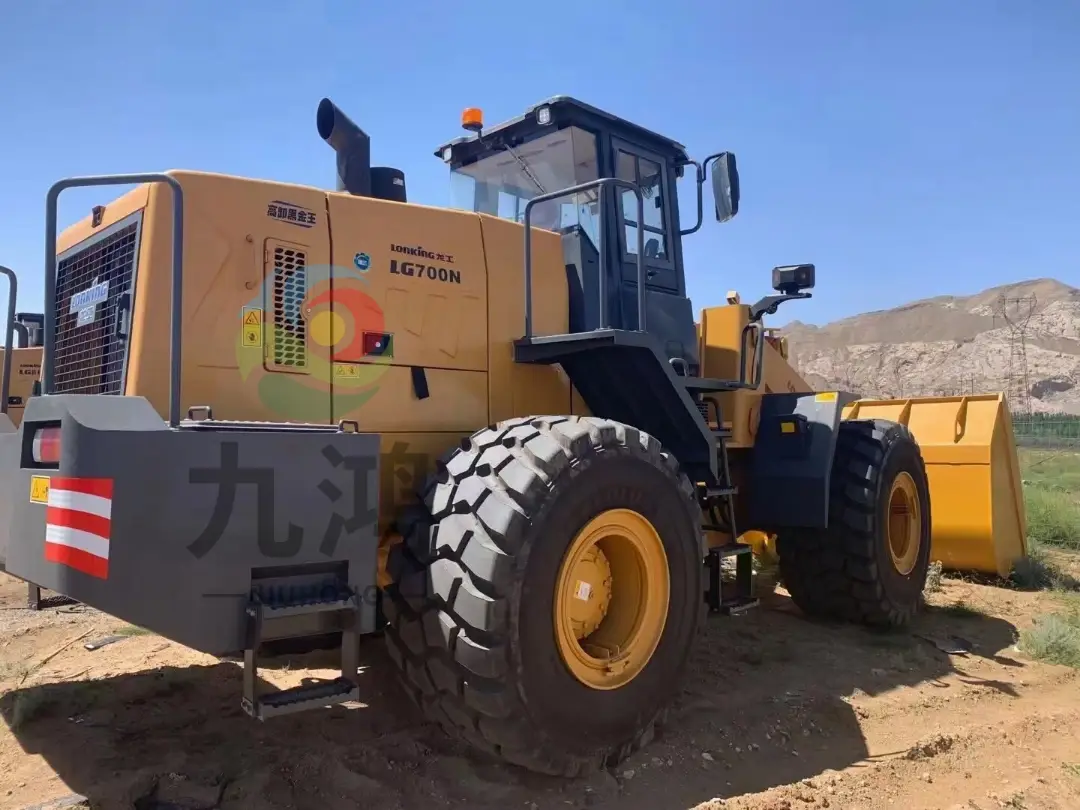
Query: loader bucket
[(976, 499)]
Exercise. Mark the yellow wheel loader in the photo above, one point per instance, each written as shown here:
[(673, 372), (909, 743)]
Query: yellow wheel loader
[(494, 433), (23, 341), (20, 359)]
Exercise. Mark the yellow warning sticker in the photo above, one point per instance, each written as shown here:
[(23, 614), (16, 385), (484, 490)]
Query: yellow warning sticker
[(252, 336), (39, 488), (252, 316), (787, 427), (826, 396), (349, 370)]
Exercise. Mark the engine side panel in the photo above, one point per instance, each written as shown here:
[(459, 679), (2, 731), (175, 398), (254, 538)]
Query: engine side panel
[(517, 389)]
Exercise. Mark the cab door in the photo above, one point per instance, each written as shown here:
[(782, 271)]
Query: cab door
[(649, 172)]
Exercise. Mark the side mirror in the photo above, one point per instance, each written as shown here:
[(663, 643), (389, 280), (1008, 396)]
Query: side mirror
[(725, 186)]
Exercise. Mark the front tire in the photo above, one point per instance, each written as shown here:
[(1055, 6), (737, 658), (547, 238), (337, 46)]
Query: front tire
[(870, 565), (477, 615)]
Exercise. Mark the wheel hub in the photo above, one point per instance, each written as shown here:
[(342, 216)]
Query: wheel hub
[(611, 599), (905, 524), (592, 592)]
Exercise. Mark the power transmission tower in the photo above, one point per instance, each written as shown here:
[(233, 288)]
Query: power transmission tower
[(900, 370), (1016, 312)]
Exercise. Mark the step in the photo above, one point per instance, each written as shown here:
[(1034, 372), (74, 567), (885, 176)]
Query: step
[(280, 601), (706, 385), (283, 599), (280, 611), (302, 698), (731, 550), (738, 604), (721, 492)]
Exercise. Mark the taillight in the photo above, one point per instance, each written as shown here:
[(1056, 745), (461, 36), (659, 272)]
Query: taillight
[(47, 445)]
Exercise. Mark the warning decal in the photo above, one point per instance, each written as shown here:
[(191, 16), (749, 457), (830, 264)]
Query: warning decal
[(252, 336)]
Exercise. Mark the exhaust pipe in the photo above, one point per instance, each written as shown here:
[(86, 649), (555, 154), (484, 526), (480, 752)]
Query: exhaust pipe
[(353, 147)]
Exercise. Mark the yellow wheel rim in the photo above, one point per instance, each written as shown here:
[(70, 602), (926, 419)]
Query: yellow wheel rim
[(905, 524), (611, 599)]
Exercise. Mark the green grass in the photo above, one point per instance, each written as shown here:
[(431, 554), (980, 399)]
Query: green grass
[(1055, 637), (1041, 570), (1052, 497), (1052, 500), (1053, 517), (1054, 468)]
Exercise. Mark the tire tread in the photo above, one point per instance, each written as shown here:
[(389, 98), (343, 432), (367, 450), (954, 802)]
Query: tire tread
[(451, 640), (834, 573)]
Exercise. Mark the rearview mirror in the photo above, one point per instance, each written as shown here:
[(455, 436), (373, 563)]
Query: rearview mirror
[(725, 186)]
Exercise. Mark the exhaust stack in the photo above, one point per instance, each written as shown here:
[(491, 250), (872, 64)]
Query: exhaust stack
[(353, 147)]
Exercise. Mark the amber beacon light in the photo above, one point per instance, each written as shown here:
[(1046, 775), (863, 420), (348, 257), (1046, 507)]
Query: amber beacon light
[(472, 119)]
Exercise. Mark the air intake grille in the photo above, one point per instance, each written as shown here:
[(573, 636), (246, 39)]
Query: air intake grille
[(90, 349), (290, 329)]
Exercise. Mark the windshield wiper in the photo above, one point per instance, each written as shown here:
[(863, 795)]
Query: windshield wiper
[(525, 168)]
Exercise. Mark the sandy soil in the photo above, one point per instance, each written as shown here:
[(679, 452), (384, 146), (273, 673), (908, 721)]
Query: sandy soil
[(778, 713)]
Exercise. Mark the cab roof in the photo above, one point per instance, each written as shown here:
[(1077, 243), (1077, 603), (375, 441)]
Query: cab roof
[(565, 111)]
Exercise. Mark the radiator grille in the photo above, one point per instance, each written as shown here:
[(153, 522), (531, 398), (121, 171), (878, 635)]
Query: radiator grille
[(89, 357), (290, 328)]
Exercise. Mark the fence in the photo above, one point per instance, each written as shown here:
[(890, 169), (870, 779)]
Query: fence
[(1052, 431)]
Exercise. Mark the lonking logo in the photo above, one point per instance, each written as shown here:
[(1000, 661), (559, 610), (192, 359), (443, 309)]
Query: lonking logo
[(301, 336)]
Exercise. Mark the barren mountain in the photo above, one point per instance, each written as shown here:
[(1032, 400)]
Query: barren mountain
[(955, 345)]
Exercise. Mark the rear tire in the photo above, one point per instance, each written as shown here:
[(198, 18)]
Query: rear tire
[(855, 570), (471, 611)]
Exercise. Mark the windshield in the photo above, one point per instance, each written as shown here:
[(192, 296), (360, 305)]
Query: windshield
[(502, 183)]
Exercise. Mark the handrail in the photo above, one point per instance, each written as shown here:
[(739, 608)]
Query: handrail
[(13, 291), (175, 347), (603, 184), (754, 328)]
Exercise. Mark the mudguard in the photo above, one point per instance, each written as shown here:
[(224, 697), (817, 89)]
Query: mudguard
[(169, 528), (791, 462)]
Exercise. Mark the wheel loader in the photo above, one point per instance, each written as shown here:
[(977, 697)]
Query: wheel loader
[(22, 343), (494, 433), (21, 370)]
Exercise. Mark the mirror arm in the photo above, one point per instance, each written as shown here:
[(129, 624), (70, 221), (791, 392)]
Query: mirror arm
[(769, 304), (702, 175)]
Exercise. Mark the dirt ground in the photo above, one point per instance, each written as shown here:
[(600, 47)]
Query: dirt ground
[(778, 713)]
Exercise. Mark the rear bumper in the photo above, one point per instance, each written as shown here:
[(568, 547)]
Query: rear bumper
[(171, 529)]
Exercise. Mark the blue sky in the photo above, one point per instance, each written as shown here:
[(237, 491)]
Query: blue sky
[(908, 149)]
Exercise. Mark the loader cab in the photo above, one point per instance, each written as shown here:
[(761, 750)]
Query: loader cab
[(561, 143)]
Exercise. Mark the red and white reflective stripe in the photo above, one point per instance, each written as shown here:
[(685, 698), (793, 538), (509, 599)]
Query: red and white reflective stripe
[(78, 524)]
